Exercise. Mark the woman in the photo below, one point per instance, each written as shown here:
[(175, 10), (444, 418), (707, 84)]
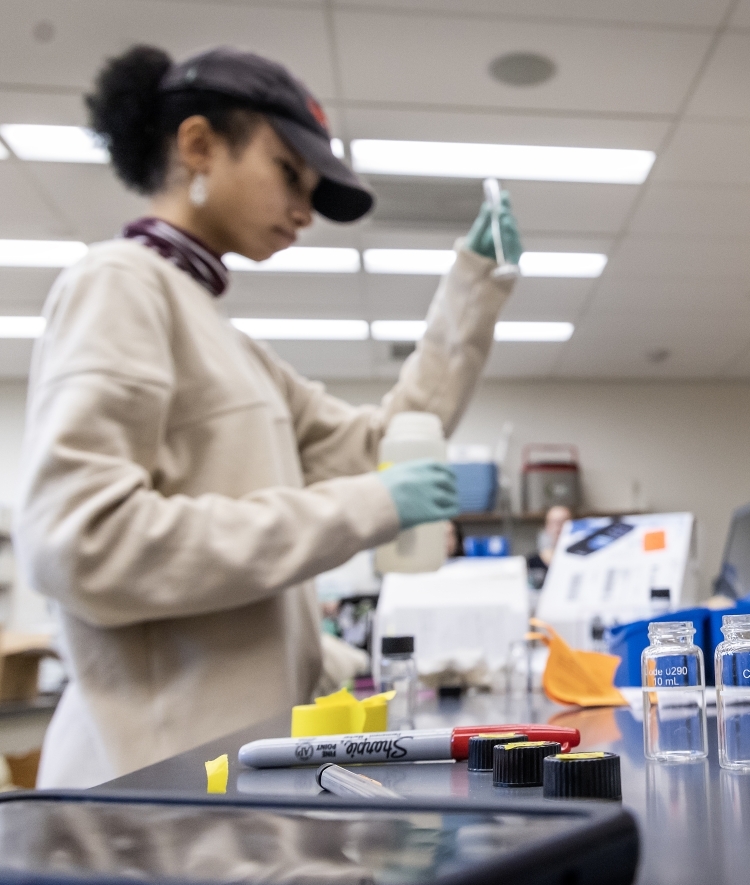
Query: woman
[(181, 483)]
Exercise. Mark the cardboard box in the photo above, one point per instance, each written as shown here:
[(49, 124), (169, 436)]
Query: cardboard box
[(20, 654)]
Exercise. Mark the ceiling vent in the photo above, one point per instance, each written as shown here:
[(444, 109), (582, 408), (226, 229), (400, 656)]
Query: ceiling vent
[(522, 69)]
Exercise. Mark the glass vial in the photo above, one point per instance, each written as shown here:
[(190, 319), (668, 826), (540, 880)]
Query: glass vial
[(732, 661), (674, 694), (398, 672)]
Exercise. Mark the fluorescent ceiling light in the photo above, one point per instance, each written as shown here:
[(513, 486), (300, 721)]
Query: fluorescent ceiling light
[(3, 152), (304, 330), (397, 330), (337, 148), (40, 253), (509, 161), (407, 261), (55, 144), (562, 264), (21, 327), (533, 331), (300, 259)]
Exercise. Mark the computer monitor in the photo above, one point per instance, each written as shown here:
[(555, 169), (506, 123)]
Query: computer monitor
[(734, 580)]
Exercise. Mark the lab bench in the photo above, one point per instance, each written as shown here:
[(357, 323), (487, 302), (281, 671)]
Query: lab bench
[(694, 818)]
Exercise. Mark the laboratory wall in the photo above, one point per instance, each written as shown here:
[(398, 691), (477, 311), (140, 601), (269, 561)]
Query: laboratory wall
[(643, 446)]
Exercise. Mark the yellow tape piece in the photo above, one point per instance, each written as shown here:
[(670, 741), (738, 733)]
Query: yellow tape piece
[(573, 756), (217, 774), (341, 713), (384, 465)]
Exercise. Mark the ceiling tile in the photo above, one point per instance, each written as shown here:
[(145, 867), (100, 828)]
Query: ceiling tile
[(24, 290), (24, 211), (561, 208), (524, 359), (671, 12), (24, 106), (397, 296), (88, 31), (544, 299), (331, 359), (443, 60), (741, 15), (392, 236), (680, 257), (15, 357), (295, 295), (703, 151), (96, 203), (616, 344), (724, 88), (683, 296), (694, 210)]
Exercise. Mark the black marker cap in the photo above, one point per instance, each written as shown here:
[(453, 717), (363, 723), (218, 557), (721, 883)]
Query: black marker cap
[(482, 745), (520, 764), (582, 776)]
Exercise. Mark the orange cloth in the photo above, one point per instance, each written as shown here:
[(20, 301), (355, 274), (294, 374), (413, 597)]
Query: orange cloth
[(585, 678)]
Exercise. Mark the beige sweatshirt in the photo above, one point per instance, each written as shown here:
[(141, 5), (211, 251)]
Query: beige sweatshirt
[(181, 485)]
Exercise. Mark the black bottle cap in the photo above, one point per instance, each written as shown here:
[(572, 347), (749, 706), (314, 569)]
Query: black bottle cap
[(397, 645), (520, 764), (482, 745), (582, 776)]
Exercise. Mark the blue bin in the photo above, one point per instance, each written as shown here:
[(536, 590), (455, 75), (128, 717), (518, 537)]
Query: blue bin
[(627, 641), (477, 486), (715, 636), (492, 545)]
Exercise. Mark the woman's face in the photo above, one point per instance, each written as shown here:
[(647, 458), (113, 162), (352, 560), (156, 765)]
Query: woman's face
[(258, 195)]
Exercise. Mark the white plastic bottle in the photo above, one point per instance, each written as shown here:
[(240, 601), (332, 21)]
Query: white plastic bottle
[(413, 435)]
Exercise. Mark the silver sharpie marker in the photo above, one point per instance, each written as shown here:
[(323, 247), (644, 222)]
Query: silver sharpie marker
[(385, 746)]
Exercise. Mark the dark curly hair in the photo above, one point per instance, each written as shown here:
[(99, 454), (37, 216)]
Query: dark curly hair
[(138, 124)]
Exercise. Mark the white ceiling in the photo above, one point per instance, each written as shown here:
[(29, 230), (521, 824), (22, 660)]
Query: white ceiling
[(666, 75)]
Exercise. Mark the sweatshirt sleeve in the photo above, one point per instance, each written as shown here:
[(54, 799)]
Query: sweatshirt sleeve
[(336, 439), (94, 533)]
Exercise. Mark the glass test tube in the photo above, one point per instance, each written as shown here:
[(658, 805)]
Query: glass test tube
[(732, 660)]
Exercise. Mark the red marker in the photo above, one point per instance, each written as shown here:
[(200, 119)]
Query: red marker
[(390, 746)]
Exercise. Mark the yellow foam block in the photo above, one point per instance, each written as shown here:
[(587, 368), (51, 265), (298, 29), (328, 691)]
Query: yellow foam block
[(341, 713), (217, 773)]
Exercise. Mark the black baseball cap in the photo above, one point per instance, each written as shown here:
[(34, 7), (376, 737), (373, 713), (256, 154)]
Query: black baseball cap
[(294, 113)]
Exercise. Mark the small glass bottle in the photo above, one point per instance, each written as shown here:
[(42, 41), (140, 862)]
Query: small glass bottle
[(732, 661), (674, 694), (398, 672)]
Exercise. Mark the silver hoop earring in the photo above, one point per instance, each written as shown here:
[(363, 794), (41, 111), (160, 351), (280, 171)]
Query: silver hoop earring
[(198, 192)]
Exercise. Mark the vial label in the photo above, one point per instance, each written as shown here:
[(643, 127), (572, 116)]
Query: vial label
[(674, 671), (735, 669)]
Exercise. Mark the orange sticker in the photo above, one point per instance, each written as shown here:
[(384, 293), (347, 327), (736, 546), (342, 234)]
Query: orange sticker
[(655, 541)]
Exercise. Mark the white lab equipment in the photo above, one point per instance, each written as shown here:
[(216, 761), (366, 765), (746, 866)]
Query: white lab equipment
[(410, 436), (613, 570), (463, 617)]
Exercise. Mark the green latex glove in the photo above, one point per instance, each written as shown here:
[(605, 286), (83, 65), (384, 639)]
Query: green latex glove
[(423, 491), (479, 238)]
